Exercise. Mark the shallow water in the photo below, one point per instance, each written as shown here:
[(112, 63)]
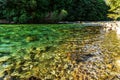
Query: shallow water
[(27, 46)]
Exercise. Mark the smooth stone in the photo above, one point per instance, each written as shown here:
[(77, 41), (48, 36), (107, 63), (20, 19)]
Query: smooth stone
[(117, 63), (4, 58)]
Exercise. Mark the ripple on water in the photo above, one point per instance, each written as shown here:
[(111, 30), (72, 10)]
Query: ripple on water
[(5, 47)]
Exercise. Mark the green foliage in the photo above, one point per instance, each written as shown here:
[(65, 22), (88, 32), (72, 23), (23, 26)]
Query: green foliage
[(36, 11), (28, 11), (87, 10), (56, 16), (62, 14), (114, 11)]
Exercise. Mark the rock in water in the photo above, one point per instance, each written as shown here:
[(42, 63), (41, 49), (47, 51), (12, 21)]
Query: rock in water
[(117, 63)]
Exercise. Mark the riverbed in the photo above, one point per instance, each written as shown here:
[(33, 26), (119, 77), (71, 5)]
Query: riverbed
[(58, 51)]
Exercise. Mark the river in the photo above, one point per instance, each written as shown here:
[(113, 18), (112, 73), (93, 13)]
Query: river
[(34, 50)]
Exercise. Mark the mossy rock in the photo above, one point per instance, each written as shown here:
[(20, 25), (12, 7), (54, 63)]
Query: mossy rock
[(5, 58), (31, 38)]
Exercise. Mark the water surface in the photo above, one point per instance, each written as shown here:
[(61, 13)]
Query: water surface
[(44, 51)]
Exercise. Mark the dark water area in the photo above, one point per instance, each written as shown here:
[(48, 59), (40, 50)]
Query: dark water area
[(35, 52)]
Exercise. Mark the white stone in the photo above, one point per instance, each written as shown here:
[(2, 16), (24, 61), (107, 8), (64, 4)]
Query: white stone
[(117, 64)]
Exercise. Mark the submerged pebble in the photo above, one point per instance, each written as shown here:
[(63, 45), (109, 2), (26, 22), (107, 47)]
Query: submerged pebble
[(117, 63)]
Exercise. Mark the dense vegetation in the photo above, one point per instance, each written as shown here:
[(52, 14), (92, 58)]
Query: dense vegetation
[(87, 10), (114, 9), (39, 11), (36, 11)]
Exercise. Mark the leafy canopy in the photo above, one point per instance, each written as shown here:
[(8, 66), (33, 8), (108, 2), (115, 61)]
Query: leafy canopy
[(114, 11), (88, 10), (36, 11)]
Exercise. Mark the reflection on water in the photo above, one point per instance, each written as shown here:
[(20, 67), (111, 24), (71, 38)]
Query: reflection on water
[(62, 52)]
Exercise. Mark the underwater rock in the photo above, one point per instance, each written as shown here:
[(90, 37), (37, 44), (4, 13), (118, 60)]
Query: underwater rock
[(84, 57), (4, 58), (1, 78), (31, 38), (117, 63)]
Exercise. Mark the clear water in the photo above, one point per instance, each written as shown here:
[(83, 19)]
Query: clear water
[(21, 45)]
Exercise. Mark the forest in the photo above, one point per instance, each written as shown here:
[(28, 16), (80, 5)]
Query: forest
[(52, 11)]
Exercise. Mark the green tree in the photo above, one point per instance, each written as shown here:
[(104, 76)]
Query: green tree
[(32, 11), (114, 11), (35, 11), (88, 10)]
